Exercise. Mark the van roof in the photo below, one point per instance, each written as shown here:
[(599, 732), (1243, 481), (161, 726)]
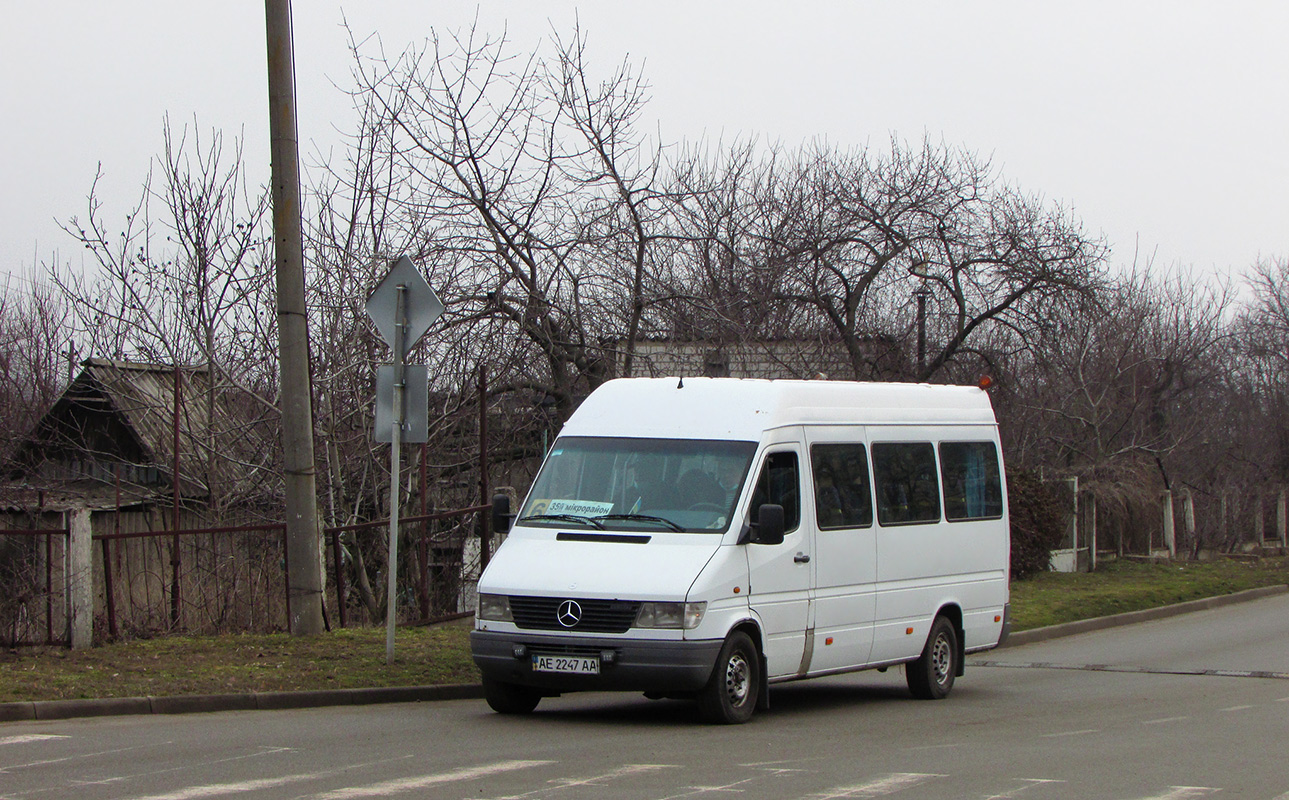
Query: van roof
[(742, 409)]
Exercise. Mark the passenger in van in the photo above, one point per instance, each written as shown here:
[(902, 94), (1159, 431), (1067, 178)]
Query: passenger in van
[(651, 491), (701, 490)]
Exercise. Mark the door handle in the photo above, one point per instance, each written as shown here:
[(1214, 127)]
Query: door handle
[(801, 558)]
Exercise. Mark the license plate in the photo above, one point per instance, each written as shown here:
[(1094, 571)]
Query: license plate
[(576, 666)]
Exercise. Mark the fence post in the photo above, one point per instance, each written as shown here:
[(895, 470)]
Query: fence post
[(1281, 523), (485, 533), (423, 543), (80, 580), (1188, 519), (1092, 513), (340, 576), (1259, 518), (174, 545), (1170, 531), (1223, 520), (109, 592)]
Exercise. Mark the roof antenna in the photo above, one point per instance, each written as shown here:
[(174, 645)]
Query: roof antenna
[(681, 383)]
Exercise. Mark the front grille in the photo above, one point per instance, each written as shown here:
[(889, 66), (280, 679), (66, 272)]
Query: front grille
[(597, 616), (567, 651)]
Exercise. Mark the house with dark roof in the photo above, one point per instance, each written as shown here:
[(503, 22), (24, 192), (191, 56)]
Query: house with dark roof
[(102, 464), (120, 433)]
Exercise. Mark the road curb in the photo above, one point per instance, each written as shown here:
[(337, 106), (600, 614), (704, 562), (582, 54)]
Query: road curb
[(1132, 617), (41, 710), (253, 701)]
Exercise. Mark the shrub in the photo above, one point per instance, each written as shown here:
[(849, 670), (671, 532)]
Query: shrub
[(1037, 523)]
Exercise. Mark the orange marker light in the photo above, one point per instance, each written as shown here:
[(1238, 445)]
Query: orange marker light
[(997, 618), (908, 631), (736, 590), (828, 640)]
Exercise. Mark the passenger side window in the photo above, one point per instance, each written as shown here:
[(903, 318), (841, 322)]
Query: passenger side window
[(972, 486), (907, 490), (779, 483), (843, 498)]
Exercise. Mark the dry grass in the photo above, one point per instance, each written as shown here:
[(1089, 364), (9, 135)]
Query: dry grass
[(1118, 586), (179, 665)]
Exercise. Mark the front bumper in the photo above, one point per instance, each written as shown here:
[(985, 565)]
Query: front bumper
[(665, 667)]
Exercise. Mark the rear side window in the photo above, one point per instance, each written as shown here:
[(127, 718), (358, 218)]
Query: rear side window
[(843, 498), (905, 478), (972, 486)]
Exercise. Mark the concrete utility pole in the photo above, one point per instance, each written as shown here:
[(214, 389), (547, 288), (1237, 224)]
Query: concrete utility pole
[(304, 573)]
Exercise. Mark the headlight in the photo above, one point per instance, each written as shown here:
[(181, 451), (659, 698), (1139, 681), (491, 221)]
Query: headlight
[(495, 607), (670, 615)]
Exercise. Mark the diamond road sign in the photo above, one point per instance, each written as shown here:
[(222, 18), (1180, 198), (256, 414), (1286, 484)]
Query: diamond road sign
[(422, 304)]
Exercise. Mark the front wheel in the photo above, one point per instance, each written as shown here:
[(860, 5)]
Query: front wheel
[(930, 677), (731, 694), (509, 698)]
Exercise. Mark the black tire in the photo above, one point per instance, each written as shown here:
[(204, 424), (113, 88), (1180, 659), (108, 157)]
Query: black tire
[(729, 698), (930, 677), (509, 698)]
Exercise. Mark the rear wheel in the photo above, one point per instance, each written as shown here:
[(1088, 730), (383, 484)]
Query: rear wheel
[(731, 694), (509, 698), (930, 677)]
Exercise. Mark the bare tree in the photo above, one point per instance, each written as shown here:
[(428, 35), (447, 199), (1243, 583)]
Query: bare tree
[(185, 281), (34, 330), (537, 188)]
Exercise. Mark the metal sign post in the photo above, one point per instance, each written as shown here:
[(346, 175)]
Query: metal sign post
[(414, 307), (396, 439)]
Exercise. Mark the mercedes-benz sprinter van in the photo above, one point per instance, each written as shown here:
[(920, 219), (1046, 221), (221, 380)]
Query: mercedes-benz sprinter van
[(707, 537)]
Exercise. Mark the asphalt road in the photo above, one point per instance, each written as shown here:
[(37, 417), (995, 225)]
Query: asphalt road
[(1175, 708)]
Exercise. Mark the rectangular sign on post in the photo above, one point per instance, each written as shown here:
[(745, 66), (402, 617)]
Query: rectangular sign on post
[(416, 404)]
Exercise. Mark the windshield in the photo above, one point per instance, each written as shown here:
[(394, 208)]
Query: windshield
[(636, 484)]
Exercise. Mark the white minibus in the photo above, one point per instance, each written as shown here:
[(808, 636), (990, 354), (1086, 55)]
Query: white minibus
[(708, 537)]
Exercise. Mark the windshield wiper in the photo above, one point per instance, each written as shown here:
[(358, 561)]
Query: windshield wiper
[(592, 521), (643, 518)]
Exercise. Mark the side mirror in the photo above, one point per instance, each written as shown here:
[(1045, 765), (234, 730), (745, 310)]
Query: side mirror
[(769, 524), (501, 515)]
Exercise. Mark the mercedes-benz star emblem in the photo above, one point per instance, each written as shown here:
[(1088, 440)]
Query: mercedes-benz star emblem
[(570, 613)]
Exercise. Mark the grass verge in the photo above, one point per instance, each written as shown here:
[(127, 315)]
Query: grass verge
[(1118, 586), (355, 658), (187, 665)]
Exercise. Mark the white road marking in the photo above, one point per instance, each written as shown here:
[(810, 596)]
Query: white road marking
[(403, 785), (1030, 783), (1236, 708), (263, 751), (30, 737), (1183, 792), (48, 761), (778, 766), (560, 784), (890, 784), (694, 791), (1068, 733), (1220, 673), (1163, 720), (236, 787)]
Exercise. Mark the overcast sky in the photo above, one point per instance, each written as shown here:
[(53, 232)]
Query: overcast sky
[(1163, 125)]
